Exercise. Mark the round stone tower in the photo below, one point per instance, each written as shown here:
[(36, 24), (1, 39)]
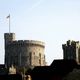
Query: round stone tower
[(24, 53)]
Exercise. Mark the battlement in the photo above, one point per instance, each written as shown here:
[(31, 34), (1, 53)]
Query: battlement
[(9, 36), (69, 42), (34, 42), (10, 39), (27, 42)]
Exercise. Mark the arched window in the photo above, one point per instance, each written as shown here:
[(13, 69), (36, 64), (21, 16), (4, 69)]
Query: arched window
[(30, 59), (40, 58)]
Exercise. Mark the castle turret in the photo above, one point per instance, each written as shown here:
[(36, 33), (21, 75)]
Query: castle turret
[(71, 50), (8, 37)]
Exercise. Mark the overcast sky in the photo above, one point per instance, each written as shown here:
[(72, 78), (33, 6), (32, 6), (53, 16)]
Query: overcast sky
[(51, 21)]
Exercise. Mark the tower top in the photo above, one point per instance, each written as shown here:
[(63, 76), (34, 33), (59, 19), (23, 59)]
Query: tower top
[(9, 37)]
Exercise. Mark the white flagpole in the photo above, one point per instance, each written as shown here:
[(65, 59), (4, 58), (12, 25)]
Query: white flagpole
[(9, 22)]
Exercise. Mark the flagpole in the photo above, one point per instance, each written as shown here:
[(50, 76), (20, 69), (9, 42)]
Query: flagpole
[(9, 24), (8, 17)]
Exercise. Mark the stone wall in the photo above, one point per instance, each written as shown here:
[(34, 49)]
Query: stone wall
[(24, 53), (71, 50)]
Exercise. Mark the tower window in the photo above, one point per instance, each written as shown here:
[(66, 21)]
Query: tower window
[(40, 55), (30, 60), (40, 58), (34, 53)]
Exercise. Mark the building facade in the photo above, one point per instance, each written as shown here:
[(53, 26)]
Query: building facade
[(23, 53), (71, 50)]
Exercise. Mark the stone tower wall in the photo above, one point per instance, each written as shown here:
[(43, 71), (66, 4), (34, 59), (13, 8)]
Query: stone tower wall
[(25, 53), (71, 50)]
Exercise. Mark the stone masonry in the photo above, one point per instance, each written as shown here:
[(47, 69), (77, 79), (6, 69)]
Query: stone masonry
[(71, 50), (23, 53)]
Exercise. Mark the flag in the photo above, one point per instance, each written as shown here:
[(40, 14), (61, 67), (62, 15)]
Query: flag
[(8, 16)]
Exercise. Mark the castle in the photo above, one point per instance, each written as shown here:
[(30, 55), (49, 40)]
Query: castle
[(23, 53), (71, 50)]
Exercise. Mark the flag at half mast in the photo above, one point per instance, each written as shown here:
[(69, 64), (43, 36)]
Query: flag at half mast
[(8, 16)]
